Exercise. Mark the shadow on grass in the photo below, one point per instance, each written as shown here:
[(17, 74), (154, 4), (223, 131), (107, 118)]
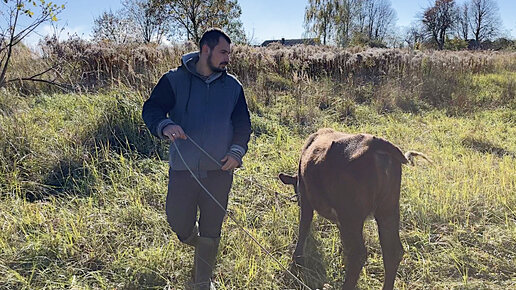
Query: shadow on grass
[(486, 147), (119, 132), (67, 177), (313, 269), (123, 130)]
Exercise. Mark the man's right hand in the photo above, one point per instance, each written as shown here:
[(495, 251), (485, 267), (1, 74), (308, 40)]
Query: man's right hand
[(174, 132)]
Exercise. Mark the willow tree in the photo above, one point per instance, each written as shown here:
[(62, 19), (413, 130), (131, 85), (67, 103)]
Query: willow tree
[(320, 18), (344, 16), (340, 21)]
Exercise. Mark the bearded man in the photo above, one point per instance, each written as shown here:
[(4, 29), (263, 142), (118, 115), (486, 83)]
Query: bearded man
[(201, 101)]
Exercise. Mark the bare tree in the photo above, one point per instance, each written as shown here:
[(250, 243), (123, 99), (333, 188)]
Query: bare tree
[(381, 17), (372, 20), (485, 20), (414, 35), (463, 19), (439, 19), (13, 10), (152, 23), (111, 27), (193, 17)]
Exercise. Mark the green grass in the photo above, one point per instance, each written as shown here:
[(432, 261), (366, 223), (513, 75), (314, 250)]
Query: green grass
[(83, 187)]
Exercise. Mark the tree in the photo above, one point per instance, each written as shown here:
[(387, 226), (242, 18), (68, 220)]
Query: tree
[(343, 21), (372, 21), (381, 17), (193, 17), (439, 19), (151, 21), (113, 28), (37, 12), (319, 18), (414, 35), (463, 19), (360, 17), (485, 19)]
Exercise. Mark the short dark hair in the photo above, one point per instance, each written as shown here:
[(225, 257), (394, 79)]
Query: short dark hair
[(211, 38)]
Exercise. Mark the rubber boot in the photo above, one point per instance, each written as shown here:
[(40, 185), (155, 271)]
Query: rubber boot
[(204, 262), (193, 238)]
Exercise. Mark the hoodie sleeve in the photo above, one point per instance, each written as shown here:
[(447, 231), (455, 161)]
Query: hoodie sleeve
[(241, 128), (155, 109)]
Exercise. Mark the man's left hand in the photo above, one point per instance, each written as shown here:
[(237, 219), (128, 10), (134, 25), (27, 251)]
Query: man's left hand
[(229, 163)]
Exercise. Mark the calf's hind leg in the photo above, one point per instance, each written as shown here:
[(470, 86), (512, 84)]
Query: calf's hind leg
[(392, 250), (355, 252)]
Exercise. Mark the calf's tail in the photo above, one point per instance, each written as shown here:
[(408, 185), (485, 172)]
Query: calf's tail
[(409, 155)]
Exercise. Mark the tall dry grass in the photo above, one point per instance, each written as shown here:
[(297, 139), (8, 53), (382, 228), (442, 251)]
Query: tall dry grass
[(395, 77)]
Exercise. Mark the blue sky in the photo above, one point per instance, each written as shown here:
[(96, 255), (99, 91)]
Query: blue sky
[(262, 19), (271, 19)]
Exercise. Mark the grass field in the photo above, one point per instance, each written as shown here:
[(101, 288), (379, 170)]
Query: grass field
[(83, 187)]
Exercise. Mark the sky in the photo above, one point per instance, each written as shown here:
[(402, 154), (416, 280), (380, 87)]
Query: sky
[(262, 19)]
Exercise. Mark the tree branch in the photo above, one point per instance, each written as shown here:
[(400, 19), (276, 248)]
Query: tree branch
[(64, 87), (9, 50)]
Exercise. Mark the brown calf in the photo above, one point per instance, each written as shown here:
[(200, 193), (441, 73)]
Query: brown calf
[(345, 178)]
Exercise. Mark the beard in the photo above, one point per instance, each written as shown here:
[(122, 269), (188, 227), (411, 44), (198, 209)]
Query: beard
[(213, 67)]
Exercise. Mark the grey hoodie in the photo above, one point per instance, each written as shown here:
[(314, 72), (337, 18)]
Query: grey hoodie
[(212, 111)]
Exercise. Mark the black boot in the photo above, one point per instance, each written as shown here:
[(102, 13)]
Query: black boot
[(204, 262), (194, 236), (192, 240)]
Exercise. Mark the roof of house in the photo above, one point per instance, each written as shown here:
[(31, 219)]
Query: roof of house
[(290, 42)]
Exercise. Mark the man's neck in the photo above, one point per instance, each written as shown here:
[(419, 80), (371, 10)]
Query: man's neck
[(202, 68)]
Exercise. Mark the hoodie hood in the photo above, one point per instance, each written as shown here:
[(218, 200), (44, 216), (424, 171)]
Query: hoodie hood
[(214, 114), (189, 61)]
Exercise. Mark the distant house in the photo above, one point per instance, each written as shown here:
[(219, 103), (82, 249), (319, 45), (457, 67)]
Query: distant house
[(290, 42)]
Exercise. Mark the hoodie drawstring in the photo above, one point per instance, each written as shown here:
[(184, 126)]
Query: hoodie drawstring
[(189, 92)]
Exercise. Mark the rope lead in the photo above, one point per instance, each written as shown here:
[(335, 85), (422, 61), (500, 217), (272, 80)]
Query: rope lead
[(231, 216)]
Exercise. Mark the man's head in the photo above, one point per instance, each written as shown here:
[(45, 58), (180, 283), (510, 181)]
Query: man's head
[(214, 46)]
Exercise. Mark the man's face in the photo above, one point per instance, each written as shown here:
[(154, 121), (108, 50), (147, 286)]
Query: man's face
[(218, 57)]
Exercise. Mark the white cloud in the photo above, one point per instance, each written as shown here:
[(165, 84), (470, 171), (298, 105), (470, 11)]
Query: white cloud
[(62, 33), (66, 31)]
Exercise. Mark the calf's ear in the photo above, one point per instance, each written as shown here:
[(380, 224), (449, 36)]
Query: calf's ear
[(288, 179)]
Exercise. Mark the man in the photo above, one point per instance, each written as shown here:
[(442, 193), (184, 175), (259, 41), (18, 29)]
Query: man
[(207, 105)]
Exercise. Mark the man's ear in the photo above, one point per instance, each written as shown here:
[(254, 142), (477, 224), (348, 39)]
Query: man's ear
[(288, 179), (205, 49)]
